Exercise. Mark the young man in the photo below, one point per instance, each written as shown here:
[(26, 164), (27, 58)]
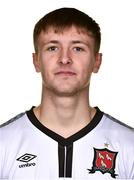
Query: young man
[(64, 137)]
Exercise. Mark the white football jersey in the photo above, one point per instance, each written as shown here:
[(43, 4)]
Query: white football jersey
[(104, 149)]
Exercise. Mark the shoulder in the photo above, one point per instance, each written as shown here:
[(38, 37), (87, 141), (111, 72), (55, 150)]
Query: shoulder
[(117, 129), (12, 120), (117, 123), (12, 127), (121, 138)]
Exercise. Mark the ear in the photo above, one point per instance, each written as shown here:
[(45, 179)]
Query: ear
[(36, 62), (97, 63)]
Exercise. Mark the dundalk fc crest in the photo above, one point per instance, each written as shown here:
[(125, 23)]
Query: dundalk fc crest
[(104, 161)]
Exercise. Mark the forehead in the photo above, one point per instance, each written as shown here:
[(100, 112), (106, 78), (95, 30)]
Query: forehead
[(69, 33)]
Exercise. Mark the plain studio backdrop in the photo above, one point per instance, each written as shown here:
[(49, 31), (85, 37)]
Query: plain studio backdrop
[(112, 89)]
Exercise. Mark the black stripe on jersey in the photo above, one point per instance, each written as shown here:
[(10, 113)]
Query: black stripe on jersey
[(65, 141), (69, 158), (65, 154), (61, 157)]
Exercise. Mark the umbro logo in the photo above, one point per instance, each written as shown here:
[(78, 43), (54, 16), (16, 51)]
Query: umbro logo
[(26, 158)]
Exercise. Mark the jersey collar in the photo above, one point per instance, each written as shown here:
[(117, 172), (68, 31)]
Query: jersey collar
[(65, 141)]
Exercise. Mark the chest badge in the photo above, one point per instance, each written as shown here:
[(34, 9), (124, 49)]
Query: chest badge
[(104, 161)]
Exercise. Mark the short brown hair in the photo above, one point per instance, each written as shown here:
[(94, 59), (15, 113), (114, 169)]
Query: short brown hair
[(66, 17)]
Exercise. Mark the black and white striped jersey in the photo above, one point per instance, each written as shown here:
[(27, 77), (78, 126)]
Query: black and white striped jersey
[(104, 149)]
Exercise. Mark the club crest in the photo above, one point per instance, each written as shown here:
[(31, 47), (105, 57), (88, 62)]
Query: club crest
[(104, 161)]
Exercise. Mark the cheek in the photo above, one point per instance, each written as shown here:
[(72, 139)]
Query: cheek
[(86, 66), (85, 71), (46, 69), (47, 65)]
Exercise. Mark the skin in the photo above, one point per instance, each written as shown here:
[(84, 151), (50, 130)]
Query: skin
[(66, 61)]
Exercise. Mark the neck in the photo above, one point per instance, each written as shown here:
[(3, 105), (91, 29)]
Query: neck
[(65, 115)]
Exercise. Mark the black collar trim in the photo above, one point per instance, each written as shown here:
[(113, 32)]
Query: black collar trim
[(65, 141)]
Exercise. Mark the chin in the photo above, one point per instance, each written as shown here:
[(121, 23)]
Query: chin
[(66, 93), (65, 90)]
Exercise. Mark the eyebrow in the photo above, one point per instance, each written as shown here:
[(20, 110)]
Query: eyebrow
[(72, 42), (80, 42), (52, 41)]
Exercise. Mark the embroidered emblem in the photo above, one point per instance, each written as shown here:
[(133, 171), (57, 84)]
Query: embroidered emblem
[(104, 161)]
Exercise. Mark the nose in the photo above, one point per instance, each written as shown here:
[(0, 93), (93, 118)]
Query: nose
[(65, 57)]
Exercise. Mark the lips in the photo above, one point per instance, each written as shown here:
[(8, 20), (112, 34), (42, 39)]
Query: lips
[(65, 73), (69, 73)]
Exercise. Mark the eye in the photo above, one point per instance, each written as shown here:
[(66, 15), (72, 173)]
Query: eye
[(78, 49), (52, 48)]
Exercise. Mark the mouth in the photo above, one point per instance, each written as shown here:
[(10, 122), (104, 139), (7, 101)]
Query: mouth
[(65, 73)]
